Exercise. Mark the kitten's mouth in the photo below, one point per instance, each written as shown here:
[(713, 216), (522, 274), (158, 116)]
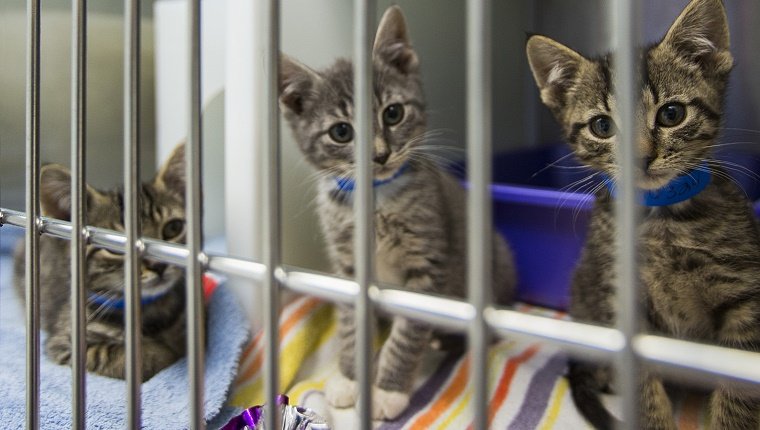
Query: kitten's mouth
[(153, 285), (387, 171), (653, 179)]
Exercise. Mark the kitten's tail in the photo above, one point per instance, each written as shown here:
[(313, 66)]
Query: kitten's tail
[(586, 395)]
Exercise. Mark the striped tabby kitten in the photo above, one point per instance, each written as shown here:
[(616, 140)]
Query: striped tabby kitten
[(163, 291), (420, 210), (699, 262)]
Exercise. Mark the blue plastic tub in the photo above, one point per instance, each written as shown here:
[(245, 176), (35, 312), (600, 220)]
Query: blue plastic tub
[(546, 227)]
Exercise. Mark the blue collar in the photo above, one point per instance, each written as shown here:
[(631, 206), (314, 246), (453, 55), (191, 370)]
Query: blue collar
[(347, 185), (120, 304), (681, 188)]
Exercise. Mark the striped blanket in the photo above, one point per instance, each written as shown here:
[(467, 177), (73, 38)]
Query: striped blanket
[(528, 389)]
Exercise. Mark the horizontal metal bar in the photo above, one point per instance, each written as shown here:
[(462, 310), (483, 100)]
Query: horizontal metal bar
[(327, 287), (111, 240), (443, 312), (576, 338), (237, 267), (107, 239), (676, 354), (165, 252)]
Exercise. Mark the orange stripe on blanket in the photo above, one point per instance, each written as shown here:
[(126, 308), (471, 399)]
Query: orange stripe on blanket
[(285, 328), (253, 343), (454, 389), (502, 389)]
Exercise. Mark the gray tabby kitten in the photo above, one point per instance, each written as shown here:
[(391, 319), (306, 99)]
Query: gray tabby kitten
[(699, 262), (163, 290), (420, 209)]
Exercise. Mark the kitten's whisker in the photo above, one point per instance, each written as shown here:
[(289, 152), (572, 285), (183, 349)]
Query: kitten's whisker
[(735, 167), (743, 130), (587, 196), (699, 165), (552, 164), (575, 187), (721, 145)]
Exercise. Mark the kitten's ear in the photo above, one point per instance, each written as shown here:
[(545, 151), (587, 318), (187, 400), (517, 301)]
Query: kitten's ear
[(700, 34), (171, 176), (555, 68), (55, 192), (297, 84), (392, 43)]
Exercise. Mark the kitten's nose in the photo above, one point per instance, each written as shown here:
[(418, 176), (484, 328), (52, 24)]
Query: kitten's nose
[(381, 157), (382, 151)]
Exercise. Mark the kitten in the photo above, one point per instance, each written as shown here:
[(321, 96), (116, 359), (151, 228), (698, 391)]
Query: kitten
[(420, 233), (163, 286), (699, 263)]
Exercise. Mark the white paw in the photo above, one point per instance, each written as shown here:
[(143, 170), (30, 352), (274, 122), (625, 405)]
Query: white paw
[(340, 391), (387, 405)]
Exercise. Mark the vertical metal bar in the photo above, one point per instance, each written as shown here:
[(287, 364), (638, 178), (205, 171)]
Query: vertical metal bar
[(32, 237), (625, 21), (479, 203), (271, 250), (364, 233), (132, 260), (195, 314), (78, 207)]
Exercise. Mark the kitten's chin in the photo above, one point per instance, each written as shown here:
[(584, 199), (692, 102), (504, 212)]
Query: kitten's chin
[(387, 171), (152, 286)]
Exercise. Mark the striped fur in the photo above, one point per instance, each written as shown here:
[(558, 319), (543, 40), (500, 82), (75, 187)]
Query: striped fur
[(419, 217), (163, 321), (699, 260)]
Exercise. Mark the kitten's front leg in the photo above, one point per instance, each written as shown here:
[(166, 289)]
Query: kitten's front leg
[(657, 412), (402, 351), (107, 355), (396, 367), (733, 410)]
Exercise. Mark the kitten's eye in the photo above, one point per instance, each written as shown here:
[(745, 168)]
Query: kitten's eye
[(342, 132), (602, 126), (393, 114), (671, 114), (173, 228)]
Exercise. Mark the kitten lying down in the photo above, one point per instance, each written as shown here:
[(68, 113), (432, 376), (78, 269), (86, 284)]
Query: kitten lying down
[(163, 286), (420, 209)]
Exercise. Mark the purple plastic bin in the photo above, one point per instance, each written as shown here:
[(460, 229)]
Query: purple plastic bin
[(546, 227)]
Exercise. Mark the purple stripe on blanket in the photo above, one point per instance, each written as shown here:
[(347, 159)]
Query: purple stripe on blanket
[(537, 396), (425, 393)]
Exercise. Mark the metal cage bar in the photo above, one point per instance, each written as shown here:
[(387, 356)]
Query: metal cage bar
[(580, 338), (132, 228), (479, 260), (270, 33), (32, 234), (625, 20), (625, 344), (78, 208), (194, 227), (364, 231)]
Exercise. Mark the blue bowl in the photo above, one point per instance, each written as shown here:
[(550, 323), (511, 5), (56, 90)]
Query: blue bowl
[(546, 227)]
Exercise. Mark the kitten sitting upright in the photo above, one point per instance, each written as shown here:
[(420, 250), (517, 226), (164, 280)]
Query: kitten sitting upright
[(420, 232), (699, 246), (163, 286)]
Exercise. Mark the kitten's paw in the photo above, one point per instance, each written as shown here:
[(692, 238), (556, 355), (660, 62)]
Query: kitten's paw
[(340, 391), (388, 405)]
